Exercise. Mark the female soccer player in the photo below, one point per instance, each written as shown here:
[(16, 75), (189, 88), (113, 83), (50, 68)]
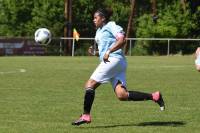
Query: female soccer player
[(112, 68), (197, 59)]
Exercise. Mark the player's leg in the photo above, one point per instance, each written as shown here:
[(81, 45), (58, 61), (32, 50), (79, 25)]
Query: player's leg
[(90, 87), (102, 74), (198, 68), (119, 85), (197, 59), (125, 95)]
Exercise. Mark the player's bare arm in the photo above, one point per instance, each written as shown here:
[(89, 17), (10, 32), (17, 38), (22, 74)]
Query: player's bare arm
[(118, 45)]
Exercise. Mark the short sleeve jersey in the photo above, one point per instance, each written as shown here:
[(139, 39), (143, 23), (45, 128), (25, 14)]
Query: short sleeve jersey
[(106, 38)]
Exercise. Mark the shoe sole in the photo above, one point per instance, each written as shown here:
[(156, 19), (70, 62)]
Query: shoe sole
[(80, 123)]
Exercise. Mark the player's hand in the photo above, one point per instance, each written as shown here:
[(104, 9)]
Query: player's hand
[(91, 50), (106, 56)]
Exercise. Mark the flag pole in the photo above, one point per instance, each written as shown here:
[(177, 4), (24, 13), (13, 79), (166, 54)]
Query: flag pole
[(75, 36), (73, 44)]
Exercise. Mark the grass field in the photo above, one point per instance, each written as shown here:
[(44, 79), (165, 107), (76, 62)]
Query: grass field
[(45, 94)]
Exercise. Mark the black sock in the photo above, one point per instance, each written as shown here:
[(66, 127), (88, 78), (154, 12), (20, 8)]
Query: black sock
[(88, 100), (139, 96)]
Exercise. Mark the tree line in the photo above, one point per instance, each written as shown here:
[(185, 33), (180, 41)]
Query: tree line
[(167, 18)]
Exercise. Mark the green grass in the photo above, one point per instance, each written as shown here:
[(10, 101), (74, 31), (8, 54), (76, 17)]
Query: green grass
[(49, 96)]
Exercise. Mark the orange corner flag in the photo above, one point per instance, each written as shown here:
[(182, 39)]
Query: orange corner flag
[(75, 34)]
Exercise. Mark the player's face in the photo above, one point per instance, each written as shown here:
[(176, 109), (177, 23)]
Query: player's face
[(98, 20)]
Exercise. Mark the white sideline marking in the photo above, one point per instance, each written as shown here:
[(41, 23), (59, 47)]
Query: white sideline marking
[(22, 70), (16, 71)]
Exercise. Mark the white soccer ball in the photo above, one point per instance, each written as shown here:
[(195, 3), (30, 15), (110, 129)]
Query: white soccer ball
[(42, 36)]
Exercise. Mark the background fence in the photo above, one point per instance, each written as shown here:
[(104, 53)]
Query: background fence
[(168, 45), (58, 46)]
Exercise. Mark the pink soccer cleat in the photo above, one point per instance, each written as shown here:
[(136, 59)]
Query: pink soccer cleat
[(84, 118), (157, 97)]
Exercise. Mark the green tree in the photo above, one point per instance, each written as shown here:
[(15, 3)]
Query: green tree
[(13, 17), (22, 18), (173, 22), (49, 14)]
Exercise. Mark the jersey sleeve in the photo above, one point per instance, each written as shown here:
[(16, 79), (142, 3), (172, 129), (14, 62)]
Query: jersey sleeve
[(115, 29)]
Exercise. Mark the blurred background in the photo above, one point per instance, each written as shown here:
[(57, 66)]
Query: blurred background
[(153, 27)]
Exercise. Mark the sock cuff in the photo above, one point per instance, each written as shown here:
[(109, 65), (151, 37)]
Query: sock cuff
[(89, 89)]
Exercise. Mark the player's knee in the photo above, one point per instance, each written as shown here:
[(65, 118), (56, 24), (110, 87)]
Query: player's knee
[(122, 99), (91, 84), (121, 93), (122, 96)]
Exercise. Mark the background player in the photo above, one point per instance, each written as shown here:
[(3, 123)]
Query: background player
[(197, 59)]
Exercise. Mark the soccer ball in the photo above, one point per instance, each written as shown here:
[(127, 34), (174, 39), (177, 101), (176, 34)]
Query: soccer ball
[(42, 36)]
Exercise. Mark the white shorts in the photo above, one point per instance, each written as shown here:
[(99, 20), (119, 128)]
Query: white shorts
[(113, 71)]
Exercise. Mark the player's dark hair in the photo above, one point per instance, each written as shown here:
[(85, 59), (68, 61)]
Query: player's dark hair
[(105, 12)]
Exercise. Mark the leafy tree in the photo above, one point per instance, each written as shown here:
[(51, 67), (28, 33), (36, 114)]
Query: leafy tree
[(13, 17), (173, 22), (22, 18), (49, 14)]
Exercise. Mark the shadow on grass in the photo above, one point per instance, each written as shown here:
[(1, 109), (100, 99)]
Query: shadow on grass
[(143, 124), (159, 123)]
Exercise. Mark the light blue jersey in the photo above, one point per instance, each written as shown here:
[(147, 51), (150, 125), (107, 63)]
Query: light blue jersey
[(106, 38)]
